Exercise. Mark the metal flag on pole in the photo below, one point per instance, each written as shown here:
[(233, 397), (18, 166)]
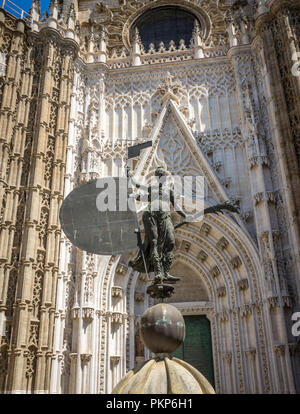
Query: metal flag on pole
[(95, 230), (135, 150), (99, 230)]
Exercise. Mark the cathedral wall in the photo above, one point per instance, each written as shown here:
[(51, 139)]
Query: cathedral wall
[(35, 108)]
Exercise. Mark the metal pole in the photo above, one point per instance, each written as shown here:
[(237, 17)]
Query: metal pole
[(140, 244)]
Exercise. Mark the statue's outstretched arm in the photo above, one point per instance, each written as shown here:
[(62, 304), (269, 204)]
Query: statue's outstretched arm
[(218, 208)]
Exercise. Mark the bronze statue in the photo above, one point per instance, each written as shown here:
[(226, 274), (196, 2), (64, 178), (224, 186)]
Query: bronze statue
[(159, 231), (159, 239)]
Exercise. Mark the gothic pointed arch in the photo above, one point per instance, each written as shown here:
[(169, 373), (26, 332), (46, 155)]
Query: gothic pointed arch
[(174, 146)]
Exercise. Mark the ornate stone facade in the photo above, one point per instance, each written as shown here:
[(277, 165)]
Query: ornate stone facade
[(79, 87)]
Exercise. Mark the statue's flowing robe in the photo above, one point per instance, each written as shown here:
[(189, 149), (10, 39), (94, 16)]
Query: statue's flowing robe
[(158, 225)]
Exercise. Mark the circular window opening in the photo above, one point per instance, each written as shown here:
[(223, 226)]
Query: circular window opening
[(164, 24)]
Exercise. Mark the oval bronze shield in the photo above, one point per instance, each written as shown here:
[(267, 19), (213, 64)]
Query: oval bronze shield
[(98, 232)]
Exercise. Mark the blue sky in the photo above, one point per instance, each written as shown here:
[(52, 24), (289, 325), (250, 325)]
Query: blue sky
[(26, 4)]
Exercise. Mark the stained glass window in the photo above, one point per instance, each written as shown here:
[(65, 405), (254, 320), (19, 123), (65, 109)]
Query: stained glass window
[(164, 24)]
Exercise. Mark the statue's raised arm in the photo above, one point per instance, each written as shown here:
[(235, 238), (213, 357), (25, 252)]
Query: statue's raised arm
[(132, 182), (176, 205)]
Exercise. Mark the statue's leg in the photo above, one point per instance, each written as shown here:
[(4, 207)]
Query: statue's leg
[(167, 262), (168, 255), (152, 234)]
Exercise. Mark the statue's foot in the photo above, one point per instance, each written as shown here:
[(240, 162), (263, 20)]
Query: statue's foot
[(157, 279), (171, 279)]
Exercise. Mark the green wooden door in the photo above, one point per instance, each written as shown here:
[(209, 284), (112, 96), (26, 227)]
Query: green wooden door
[(197, 349)]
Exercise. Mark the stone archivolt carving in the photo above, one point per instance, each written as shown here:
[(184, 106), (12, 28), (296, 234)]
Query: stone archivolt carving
[(236, 262), (202, 256), (267, 196), (221, 291), (246, 310), (243, 284), (143, 277), (279, 349), (273, 302), (88, 313), (222, 243), (185, 245), (75, 312), (192, 234), (121, 269), (251, 352), (115, 359), (85, 358), (259, 160), (116, 318), (139, 296), (246, 215), (215, 271), (253, 271), (223, 316), (227, 356), (117, 292), (205, 229)]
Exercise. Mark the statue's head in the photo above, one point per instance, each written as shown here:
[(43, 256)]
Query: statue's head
[(160, 172)]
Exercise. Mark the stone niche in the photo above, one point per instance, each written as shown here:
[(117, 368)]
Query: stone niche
[(190, 288)]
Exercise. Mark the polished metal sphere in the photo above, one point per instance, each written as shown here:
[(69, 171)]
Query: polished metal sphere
[(162, 328)]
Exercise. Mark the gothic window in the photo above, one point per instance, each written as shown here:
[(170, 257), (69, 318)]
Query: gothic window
[(164, 24)]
